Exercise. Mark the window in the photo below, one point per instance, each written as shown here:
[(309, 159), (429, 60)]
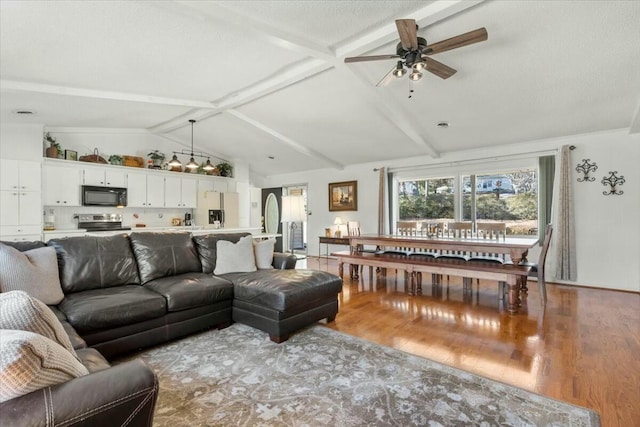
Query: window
[(504, 191), (510, 197), (428, 199)]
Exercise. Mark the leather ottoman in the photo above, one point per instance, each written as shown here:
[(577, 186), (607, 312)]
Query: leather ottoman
[(280, 302)]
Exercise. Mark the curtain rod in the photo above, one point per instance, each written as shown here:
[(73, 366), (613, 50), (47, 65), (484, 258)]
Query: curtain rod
[(477, 160)]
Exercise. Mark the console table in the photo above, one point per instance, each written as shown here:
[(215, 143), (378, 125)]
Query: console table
[(331, 241)]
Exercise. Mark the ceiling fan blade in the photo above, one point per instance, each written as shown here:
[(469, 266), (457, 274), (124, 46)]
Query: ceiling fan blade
[(369, 58), (465, 39), (387, 78), (408, 33), (439, 69)]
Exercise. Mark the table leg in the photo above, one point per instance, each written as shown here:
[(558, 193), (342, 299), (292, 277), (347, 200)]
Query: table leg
[(513, 293), (340, 269), (518, 256), (411, 283)]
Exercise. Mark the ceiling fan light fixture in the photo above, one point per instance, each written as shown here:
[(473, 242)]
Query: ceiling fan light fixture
[(419, 65), (399, 71), (415, 76)]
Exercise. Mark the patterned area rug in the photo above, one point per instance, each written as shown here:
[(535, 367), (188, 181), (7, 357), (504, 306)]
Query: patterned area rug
[(320, 377)]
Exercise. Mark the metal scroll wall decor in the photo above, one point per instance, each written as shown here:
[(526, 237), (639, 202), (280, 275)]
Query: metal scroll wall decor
[(585, 167), (612, 180)]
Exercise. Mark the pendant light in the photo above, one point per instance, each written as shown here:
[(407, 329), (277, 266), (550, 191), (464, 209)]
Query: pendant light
[(208, 166), (175, 162), (192, 163)]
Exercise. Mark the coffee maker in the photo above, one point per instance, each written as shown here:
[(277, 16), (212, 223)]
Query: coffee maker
[(187, 220)]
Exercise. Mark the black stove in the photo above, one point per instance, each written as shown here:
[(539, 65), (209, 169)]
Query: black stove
[(101, 222)]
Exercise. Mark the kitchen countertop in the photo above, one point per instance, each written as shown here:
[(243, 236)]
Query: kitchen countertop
[(194, 230)]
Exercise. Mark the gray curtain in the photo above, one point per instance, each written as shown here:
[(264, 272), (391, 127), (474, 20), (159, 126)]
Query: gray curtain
[(564, 229), (547, 169)]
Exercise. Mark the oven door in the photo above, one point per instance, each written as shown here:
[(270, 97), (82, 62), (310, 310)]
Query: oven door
[(104, 196)]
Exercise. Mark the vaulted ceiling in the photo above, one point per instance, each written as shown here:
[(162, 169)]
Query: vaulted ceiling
[(268, 79)]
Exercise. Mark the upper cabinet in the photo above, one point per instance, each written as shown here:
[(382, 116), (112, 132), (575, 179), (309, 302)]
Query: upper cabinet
[(145, 190), (103, 177), (180, 192), (20, 175), (61, 185)]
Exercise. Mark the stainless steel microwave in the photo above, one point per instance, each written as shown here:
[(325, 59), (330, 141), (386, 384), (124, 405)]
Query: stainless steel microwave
[(104, 196)]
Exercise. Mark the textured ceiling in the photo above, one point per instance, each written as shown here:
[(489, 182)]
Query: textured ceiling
[(267, 78)]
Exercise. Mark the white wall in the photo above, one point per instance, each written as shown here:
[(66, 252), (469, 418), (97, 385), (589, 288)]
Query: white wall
[(21, 142), (607, 227)]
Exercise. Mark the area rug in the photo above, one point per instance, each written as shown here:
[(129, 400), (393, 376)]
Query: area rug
[(320, 377)]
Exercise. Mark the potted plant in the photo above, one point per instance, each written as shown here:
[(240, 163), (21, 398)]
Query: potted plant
[(157, 157), (116, 159), (54, 150), (224, 168)]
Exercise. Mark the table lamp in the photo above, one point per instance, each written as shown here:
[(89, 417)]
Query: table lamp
[(338, 223)]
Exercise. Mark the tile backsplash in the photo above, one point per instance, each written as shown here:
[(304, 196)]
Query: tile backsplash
[(64, 216)]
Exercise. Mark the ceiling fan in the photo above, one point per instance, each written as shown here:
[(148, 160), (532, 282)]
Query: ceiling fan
[(413, 52)]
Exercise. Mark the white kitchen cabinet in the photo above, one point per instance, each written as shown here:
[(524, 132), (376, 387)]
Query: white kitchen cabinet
[(104, 177), (189, 193), (145, 190), (180, 192), (20, 175), (20, 233), (20, 196), (20, 208), (61, 185)]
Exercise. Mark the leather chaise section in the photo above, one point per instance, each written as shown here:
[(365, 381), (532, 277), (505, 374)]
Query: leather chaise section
[(190, 290), (107, 308), (282, 290)]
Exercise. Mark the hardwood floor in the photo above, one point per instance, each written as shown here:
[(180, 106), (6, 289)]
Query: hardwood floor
[(583, 349)]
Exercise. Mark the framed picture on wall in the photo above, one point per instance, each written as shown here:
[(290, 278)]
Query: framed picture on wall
[(70, 155), (343, 196)]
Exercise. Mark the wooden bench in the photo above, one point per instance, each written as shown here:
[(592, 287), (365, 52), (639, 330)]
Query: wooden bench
[(415, 265)]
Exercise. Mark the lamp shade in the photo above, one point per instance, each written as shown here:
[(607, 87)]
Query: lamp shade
[(293, 209), (338, 221)]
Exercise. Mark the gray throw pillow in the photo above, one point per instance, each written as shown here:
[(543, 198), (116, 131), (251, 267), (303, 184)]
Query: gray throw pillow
[(23, 312), (34, 271), (235, 257), (29, 362), (264, 253)]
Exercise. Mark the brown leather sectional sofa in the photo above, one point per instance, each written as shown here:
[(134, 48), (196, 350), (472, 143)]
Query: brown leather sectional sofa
[(123, 293)]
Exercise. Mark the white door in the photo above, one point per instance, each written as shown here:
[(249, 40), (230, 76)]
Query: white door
[(137, 190), (155, 191), (172, 192), (189, 193), (61, 186)]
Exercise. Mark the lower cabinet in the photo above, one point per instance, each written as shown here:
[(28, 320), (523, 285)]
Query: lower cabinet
[(19, 233)]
